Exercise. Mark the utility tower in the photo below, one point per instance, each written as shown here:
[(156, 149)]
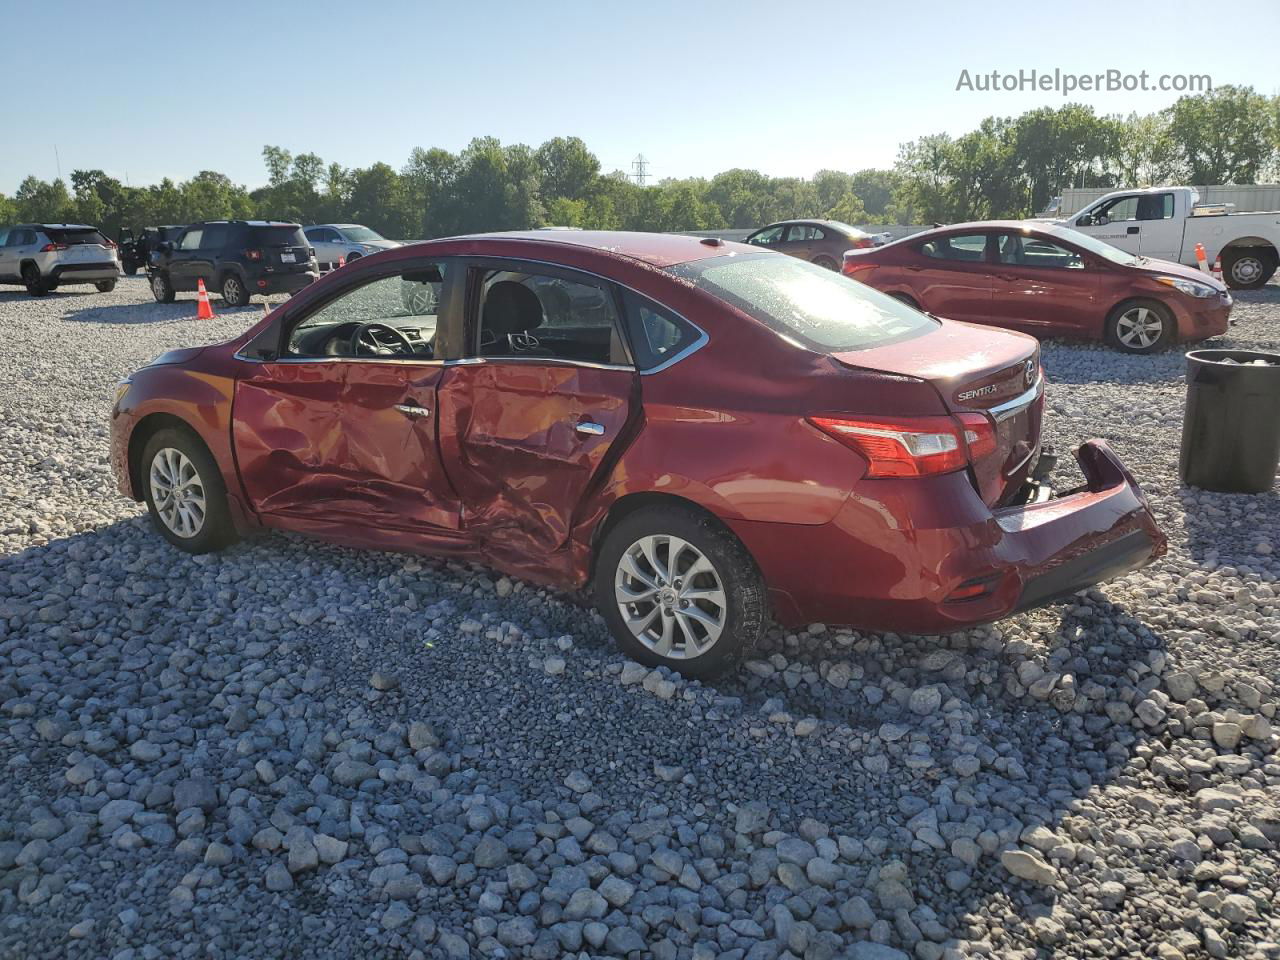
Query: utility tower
[(640, 169)]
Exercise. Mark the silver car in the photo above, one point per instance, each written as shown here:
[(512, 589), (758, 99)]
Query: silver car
[(345, 241), (45, 256)]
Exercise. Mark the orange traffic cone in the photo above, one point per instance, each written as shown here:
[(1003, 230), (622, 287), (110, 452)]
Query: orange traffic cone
[(1217, 268), (1201, 260), (204, 311)]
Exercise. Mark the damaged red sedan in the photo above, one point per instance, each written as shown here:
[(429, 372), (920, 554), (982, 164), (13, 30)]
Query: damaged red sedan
[(702, 433)]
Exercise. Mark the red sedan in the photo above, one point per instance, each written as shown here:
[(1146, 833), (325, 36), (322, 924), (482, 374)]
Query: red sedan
[(702, 433), (1048, 281)]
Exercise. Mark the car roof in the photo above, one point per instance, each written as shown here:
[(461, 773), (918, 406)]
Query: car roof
[(655, 249), (249, 223), (59, 226)]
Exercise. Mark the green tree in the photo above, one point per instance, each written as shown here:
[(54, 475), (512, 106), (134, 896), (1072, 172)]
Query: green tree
[(1145, 153), (378, 201), (847, 209), (567, 168), (8, 210), (1226, 136), (875, 189), (40, 201)]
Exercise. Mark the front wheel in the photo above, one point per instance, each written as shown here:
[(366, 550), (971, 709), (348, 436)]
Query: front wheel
[(105, 286), (234, 292), (679, 590), (161, 288), (36, 285), (185, 493), (1140, 326)]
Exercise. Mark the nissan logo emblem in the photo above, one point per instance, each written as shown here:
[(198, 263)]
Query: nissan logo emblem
[(1030, 372)]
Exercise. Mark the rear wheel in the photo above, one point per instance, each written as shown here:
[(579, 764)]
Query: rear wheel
[(679, 590), (1140, 326), (161, 288), (105, 286), (1247, 268), (36, 285), (184, 492), (234, 292), (825, 262)]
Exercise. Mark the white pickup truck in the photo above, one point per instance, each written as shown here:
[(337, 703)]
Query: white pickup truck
[(1165, 223)]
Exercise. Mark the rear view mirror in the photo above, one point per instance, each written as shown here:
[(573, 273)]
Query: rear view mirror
[(426, 275)]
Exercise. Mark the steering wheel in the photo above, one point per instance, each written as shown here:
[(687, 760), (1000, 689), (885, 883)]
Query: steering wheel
[(363, 341)]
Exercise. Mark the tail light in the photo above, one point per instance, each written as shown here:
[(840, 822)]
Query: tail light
[(253, 254), (110, 244), (914, 446), (852, 266), (51, 247), (862, 243)]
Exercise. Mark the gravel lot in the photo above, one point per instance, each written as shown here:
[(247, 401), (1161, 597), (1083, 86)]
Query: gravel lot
[(292, 749)]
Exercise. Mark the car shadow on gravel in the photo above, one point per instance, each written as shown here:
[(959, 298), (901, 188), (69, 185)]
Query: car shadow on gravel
[(21, 296), (154, 313)]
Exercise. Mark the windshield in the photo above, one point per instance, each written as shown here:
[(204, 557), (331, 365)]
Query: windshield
[(278, 236), (362, 235), (820, 308), (1094, 245)]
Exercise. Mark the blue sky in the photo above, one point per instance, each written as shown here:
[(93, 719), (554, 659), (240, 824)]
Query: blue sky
[(162, 89)]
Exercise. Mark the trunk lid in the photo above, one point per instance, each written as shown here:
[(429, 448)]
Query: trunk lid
[(285, 249), (976, 369)]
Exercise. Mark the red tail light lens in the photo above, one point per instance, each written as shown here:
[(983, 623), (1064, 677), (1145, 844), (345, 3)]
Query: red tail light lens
[(862, 243), (111, 244), (51, 247), (253, 254), (979, 434), (852, 266), (914, 446)]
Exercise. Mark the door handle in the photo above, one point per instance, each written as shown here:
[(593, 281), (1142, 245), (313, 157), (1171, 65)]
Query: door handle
[(590, 429), (412, 410), (1132, 230)]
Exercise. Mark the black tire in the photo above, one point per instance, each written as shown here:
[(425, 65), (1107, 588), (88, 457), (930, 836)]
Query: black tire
[(351, 257), (36, 285), (216, 529), (1247, 268), (131, 270), (1120, 326), (161, 288), (234, 292), (105, 286), (825, 262), (741, 618)]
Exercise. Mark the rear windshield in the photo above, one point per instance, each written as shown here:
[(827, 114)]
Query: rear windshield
[(72, 237), (278, 236), (820, 308)]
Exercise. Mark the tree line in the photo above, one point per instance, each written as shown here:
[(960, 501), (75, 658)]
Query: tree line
[(1007, 167)]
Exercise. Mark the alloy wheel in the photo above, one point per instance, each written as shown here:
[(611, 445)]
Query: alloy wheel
[(177, 492), (1139, 327), (158, 287), (671, 597), (231, 290), (421, 299)]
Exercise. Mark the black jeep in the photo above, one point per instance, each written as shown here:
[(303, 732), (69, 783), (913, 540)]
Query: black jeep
[(236, 258)]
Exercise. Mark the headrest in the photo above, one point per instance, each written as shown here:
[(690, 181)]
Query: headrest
[(510, 307)]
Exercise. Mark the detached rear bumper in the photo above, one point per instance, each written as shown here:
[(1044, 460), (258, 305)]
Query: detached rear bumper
[(926, 555)]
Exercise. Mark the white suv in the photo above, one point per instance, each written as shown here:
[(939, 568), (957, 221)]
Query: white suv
[(348, 241), (45, 256)]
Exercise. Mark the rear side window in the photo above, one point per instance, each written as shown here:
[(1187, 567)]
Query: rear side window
[(1157, 206), (821, 309), (215, 236), (970, 246), (657, 335), (277, 237), (74, 237), (191, 240), (531, 315)]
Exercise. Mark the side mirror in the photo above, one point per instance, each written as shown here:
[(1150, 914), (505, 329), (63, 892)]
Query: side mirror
[(164, 246)]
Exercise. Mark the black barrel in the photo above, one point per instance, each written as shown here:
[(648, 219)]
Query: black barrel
[(1231, 428)]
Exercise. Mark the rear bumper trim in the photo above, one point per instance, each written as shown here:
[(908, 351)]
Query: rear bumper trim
[(1131, 552)]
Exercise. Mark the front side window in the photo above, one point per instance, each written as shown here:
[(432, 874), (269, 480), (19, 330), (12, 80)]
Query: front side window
[(191, 240), (821, 309), (1117, 210), (969, 247), (767, 238), (392, 316), (657, 335), (540, 315), (1027, 251)]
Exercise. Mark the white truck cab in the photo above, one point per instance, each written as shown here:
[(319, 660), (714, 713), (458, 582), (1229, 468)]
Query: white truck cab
[(1166, 223)]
